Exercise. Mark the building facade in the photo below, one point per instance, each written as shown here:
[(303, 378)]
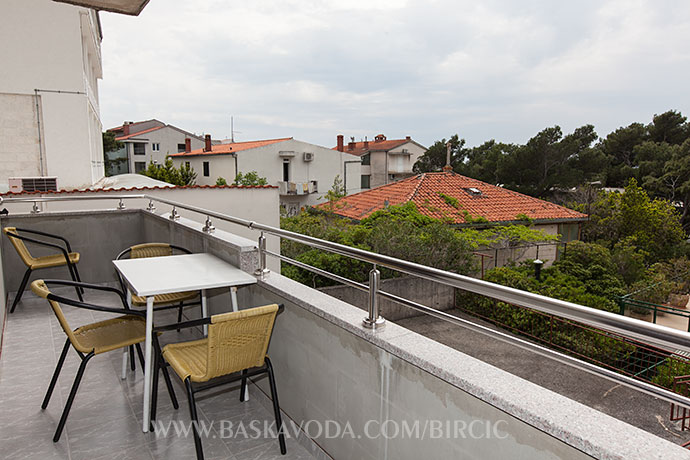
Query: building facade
[(144, 142), (50, 122), (383, 160), (303, 172)]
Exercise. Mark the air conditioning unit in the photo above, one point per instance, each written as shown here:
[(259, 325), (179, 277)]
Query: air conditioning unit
[(308, 156), (32, 184)]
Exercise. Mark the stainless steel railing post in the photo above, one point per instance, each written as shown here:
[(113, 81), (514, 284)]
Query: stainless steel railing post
[(262, 271), (374, 320)]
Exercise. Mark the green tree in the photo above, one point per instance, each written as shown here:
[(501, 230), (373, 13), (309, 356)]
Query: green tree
[(249, 179), (670, 127), (187, 174), (550, 160), (110, 144), (619, 147), (168, 173), (651, 225)]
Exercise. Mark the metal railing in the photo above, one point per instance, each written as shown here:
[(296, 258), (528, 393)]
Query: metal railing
[(660, 336)]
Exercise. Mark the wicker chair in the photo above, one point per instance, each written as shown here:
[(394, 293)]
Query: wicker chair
[(64, 257), (236, 344), (93, 339), (163, 301)]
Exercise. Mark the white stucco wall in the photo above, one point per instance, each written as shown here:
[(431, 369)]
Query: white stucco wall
[(254, 204), (167, 138), (51, 46), (268, 163)]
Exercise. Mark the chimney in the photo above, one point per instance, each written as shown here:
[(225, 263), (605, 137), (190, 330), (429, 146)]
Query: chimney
[(448, 167), (187, 145), (207, 146), (340, 142), (366, 142), (125, 128), (351, 145), (408, 138)]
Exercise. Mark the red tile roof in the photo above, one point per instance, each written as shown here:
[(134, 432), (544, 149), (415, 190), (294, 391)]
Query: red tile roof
[(374, 146), (224, 149), (137, 134), (495, 204)]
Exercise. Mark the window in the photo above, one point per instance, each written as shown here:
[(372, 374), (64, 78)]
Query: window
[(139, 149), (366, 159), (207, 168), (569, 232), (156, 147), (139, 166), (286, 170), (365, 181), (180, 148)]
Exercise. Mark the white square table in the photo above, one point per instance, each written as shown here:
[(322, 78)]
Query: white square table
[(150, 276)]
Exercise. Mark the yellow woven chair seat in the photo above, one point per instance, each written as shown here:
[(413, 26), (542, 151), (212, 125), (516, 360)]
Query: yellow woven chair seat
[(188, 359), (110, 334), (175, 297), (55, 260)]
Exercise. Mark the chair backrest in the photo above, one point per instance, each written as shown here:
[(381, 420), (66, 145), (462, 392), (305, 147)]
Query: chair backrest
[(40, 288), (141, 251), (19, 245), (239, 340)]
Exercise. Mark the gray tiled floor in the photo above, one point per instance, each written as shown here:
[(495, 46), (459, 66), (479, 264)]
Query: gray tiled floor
[(105, 421)]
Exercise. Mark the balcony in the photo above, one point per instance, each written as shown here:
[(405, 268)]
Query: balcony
[(383, 392), (297, 188)]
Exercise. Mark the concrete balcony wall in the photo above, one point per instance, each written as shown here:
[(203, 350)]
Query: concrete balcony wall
[(99, 236), (329, 368)]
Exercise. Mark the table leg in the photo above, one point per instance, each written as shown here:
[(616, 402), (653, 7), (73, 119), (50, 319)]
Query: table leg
[(125, 351), (148, 360), (233, 297), (204, 309)]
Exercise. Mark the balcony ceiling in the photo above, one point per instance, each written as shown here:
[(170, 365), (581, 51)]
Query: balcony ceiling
[(131, 7)]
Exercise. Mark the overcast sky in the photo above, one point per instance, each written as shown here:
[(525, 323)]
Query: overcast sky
[(313, 69)]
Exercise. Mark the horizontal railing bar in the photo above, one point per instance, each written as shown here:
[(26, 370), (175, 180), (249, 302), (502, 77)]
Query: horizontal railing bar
[(653, 390), (46, 199), (318, 271), (661, 336), (602, 372)]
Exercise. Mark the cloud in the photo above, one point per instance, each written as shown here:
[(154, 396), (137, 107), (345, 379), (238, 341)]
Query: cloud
[(426, 68)]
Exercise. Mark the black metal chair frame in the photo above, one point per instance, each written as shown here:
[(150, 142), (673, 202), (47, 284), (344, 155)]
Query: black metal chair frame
[(179, 306), (86, 358), (73, 272), (193, 388)]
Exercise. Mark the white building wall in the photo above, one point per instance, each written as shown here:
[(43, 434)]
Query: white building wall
[(49, 46), (167, 138), (268, 162)]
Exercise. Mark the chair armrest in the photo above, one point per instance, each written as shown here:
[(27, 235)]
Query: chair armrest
[(90, 306), (65, 252), (96, 287), (50, 235)]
